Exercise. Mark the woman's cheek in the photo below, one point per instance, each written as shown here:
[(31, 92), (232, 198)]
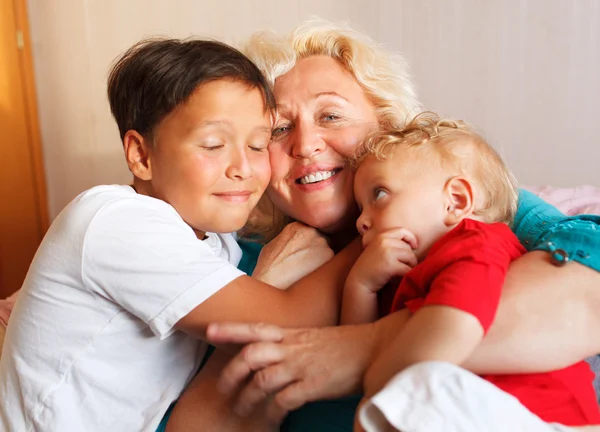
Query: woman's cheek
[(279, 165), (264, 172)]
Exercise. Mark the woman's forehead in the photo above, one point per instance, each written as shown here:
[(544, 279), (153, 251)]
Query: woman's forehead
[(317, 75)]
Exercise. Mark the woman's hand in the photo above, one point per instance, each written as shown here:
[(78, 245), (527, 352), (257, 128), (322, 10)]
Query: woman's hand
[(297, 251), (293, 366)]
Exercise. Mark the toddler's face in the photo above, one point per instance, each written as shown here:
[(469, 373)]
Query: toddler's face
[(403, 191), (210, 160)]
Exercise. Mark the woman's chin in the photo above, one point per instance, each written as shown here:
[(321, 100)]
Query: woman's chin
[(328, 221)]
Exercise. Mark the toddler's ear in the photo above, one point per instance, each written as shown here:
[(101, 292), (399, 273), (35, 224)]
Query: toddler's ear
[(137, 155), (459, 201)]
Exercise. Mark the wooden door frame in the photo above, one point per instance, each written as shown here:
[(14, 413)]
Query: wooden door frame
[(31, 107)]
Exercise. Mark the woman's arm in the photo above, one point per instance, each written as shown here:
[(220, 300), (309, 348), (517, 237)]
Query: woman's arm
[(545, 319), (543, 323)]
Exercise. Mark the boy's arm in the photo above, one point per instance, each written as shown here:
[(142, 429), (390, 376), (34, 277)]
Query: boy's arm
[(312, 301), (358, 306), (458, 310), (388, 255), (433, 333)]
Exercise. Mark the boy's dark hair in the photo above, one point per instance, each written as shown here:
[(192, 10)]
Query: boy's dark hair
[(155, 76)]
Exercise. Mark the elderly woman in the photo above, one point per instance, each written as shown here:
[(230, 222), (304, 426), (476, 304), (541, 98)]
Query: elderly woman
[(333, 86)]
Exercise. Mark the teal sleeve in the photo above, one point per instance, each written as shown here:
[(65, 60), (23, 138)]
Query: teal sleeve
[(323, 416), (541, 226), (250, 252)]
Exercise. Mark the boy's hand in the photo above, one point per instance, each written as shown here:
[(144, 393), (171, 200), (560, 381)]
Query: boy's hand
[(386, 255)]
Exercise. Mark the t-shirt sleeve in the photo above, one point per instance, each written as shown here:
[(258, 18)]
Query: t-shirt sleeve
[(148, 261), (472, 284), (532, 216)]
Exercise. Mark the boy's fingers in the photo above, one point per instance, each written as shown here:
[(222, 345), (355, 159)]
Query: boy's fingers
[(252, 358), (242, 333)]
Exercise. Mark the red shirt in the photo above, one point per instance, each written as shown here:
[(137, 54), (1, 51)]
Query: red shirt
[(465, 269)]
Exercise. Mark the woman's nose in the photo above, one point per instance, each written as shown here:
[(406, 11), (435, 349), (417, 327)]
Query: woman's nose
[(307, 142)]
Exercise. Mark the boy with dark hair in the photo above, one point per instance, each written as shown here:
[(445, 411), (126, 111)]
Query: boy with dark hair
[(93, 342)]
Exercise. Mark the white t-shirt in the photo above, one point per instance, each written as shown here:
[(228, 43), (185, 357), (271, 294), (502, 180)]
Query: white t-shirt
[(91, 344)]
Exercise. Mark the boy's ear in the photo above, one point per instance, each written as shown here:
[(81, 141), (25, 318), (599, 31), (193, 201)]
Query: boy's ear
[(137, 154), (458, 193)]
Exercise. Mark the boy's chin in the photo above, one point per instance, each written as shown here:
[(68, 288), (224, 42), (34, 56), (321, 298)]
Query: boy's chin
[(227, 226)]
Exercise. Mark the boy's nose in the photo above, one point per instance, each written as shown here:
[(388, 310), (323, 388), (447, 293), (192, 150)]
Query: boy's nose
[(363, 225), (239, 167)]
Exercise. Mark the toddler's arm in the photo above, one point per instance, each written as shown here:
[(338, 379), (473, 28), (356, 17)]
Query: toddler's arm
[(388, 255)]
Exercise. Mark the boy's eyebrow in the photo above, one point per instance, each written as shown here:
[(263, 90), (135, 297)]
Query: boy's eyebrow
[(206, 123)]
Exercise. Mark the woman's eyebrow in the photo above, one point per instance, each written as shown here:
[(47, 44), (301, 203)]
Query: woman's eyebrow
[(329, 93)]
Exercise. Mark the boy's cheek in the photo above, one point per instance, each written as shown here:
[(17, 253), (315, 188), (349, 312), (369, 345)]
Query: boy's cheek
[(263, 172)]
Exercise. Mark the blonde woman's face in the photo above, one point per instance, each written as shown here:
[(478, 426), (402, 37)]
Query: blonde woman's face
[(323, 115)]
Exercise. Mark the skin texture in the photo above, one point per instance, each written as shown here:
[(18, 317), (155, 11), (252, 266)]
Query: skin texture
[(209, 157), (323, 114), (393, 195)]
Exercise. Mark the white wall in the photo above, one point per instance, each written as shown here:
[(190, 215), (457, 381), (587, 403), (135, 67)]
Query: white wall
[(525, 72)]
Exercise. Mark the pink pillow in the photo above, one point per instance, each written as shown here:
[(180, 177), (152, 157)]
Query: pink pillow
[(6, 308), (570, 201)]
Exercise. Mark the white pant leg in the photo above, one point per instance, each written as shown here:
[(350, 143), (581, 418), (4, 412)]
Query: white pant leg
[(442, 397)]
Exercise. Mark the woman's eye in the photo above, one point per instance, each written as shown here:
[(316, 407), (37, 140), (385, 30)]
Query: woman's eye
[(379, 193), (330, 117), (280, 130)]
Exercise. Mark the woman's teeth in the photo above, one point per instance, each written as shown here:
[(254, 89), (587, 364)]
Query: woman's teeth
[(316, 177)]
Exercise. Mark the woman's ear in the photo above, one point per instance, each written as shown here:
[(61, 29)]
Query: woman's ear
[(458, 193), (137, 154)]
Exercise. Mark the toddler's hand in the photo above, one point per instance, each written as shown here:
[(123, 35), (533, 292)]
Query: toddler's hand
[(387, 255)]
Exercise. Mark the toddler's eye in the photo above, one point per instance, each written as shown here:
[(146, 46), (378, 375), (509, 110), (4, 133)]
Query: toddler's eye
[(379, 193)]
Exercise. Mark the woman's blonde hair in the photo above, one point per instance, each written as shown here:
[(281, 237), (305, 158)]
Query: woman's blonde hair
[(382, 74), (461, 150)]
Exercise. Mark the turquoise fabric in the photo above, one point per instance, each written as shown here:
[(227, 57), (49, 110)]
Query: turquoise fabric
[(162, 427), (250, 252), (540, 226)]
